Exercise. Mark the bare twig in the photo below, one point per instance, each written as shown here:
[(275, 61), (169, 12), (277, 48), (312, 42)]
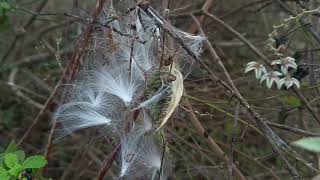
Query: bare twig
[(212, 144), (247, 5), (271, 124), (70, 71), (313, 32), (33, 59), (233, 134), (238, 35), (42, 111), (273, 139), (15, 89), (108, 162), (263, 58), (268, 133), (75, 63), (206, 6), (257, 162), (25, 27), (292, 129)]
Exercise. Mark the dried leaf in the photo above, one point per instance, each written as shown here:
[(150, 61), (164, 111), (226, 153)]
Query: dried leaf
[(177, 91)]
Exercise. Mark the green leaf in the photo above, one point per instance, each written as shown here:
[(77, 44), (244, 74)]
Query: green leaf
[(8, 116), (291, 101), (21, 155), (11, 147), (5, 5), (4, 174), (36, 161), (1, 158), (5, 23), (15, 171), (229, 129), (311, 144), (11, 160)]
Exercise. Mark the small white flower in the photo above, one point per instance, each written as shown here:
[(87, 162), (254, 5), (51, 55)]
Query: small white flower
[(270, 77), (288, 81), (258, 68), (285, 64)]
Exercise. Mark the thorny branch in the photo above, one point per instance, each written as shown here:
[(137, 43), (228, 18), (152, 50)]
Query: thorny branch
[(70, 71), (259, 121), (214, 146), (273, 139), (301, 21), (25, 27), (263, 58), (262, 124)]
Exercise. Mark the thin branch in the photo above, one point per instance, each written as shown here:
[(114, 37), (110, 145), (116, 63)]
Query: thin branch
[(278, 144), (15, 89), (75, 64), (239, 36), (211, 142), (254, 160), (247, 5), (41, 112), (271, 124), (233, 134), (292, 129), (33, 59), (273, 139), (25, 27), (313, 32), (108, 162), (206, 6), (262, 57), (70, 71)]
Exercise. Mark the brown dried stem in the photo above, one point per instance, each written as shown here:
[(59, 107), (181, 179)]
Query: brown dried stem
[(211, 142), (72, 68), (262, 57), (273, 139), (25, 27)]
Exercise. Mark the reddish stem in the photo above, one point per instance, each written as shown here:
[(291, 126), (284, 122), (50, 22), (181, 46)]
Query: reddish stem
[(84, 41), (106, 166)]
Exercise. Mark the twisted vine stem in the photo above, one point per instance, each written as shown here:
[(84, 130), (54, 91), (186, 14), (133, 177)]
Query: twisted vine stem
[(284, 24)]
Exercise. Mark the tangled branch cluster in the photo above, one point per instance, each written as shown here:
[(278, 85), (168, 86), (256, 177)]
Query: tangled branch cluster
[(131, 86), (282, 78)]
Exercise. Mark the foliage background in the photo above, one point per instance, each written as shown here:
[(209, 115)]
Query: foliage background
[(31, 71)]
